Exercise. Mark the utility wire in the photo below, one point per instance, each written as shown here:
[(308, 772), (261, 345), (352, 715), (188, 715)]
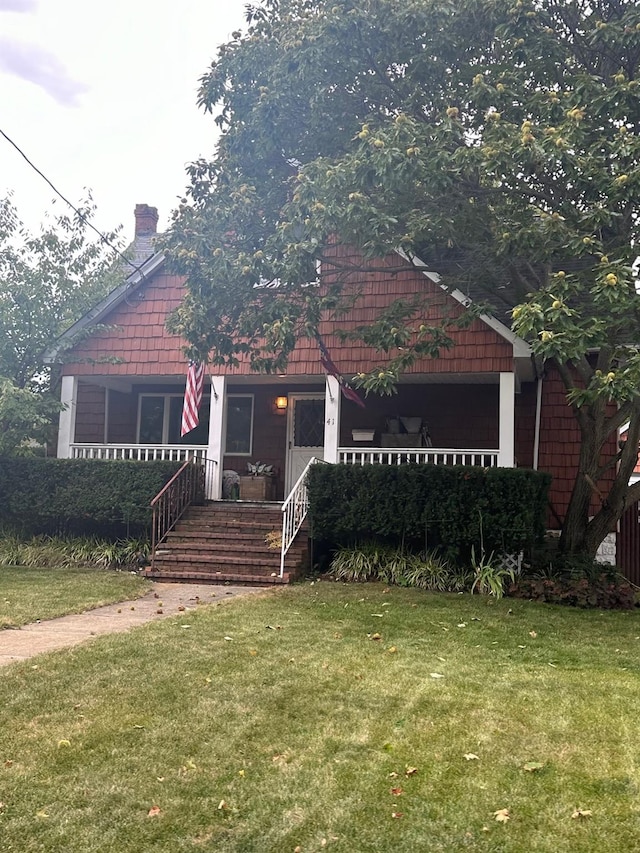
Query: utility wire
[(72, 206)]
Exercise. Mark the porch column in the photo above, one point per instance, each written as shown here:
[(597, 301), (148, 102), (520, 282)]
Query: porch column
[(332, 419), (507, 421), (215, 446), (67, 420)]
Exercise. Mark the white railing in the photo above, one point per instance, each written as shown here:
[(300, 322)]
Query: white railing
[(139, 452), (294, 511), (419, 455)]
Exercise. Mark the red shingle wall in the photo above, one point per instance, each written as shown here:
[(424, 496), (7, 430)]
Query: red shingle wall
[(123, 417), (139, 339), (90, 414), (525, 426), (560, 446), (146, 349)]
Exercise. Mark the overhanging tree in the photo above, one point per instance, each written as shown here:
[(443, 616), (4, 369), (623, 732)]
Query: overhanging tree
[(497, 140), (47, 282)]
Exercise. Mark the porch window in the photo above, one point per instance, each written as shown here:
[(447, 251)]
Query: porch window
[(160, 418), (239, 432)]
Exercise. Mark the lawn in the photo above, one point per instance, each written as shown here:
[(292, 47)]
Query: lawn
[(28, 594), (331, 717)]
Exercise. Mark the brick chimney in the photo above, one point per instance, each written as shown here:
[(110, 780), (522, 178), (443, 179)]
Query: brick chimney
[(146, 220)]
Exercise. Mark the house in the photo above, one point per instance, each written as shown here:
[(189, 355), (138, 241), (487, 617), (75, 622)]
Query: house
[(480, 403)]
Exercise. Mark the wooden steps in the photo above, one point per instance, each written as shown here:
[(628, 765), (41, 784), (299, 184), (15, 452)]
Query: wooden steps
[(228, 541)]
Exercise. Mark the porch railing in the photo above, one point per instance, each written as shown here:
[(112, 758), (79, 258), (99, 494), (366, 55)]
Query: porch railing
[(294, 511), (184, 488), (419, 455), (139, 452)]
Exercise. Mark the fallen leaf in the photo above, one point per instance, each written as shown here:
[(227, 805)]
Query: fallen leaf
[(397, 814), (181, 608), (222, 805), (8, 762), (462, 624), (392, 650), (375, 636), (240, 772), (471, 756), (154, 811), (533, 634), (437, 675), (580, 813), (253, 651), (532, 766), (396, 791), (502, 815), (410, 771), (42, 814), (160, 610), (393, 775)]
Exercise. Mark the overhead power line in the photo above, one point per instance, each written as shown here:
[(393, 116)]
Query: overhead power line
[(79, 213)]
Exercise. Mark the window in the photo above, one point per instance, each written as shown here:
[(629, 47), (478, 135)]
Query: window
[(160, 419), (239, 432)]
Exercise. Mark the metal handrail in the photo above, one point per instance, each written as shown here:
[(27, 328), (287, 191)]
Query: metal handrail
[(184, 488), (294, 511)]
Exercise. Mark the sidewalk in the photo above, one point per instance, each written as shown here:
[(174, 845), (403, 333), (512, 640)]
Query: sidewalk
[(67, 631)]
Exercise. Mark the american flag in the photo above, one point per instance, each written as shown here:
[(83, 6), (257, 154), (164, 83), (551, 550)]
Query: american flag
[(327, 362), (192, 397)]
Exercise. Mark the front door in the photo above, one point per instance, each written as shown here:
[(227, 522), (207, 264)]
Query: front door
[(305, 434)]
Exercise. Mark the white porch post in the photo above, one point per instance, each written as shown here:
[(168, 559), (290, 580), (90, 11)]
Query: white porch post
[(507, 415), (215, 446), (67, 421), (332, 419)]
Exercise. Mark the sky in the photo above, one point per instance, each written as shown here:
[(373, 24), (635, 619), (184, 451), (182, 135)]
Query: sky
[(102, 96)]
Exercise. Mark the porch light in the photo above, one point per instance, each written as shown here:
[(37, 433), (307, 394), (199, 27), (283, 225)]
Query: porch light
[(280, 405)]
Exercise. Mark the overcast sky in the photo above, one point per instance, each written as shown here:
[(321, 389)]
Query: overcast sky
[(103, 95)]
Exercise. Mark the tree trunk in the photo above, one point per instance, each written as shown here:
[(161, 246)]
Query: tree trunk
[(583, 536)]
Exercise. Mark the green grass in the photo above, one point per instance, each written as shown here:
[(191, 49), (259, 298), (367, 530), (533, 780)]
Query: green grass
[(29, 594), (278, 722)]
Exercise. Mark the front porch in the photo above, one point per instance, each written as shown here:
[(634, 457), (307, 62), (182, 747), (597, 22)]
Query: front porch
[(284, 422)]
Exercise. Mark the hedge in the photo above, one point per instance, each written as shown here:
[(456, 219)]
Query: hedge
[(79, 495), (449, 507)]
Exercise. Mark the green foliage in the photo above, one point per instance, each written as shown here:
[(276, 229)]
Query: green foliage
[(375, 561), (452, 508), (26, 418), (47, 282), (71, 552), (80, 495), (259, 469), (496, 141), (489, 576), (603, 591)]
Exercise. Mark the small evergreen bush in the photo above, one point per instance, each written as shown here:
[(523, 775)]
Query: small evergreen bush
[(76, 496), (449, 508)]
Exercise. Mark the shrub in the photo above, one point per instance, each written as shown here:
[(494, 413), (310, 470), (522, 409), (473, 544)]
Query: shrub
[(604, 591), (62, 552), (449, 508), (376, 561), (80, 495)]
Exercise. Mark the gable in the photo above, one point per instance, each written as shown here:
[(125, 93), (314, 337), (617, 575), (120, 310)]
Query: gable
[(140, 343)]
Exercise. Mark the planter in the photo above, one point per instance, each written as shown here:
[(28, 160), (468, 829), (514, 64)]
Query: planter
[(362, 434), (256, 488)]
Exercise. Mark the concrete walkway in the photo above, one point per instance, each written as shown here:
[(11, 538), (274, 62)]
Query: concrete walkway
[(165, 599)]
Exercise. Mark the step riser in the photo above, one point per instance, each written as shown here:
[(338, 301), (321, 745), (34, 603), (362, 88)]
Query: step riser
[(226, 543)]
